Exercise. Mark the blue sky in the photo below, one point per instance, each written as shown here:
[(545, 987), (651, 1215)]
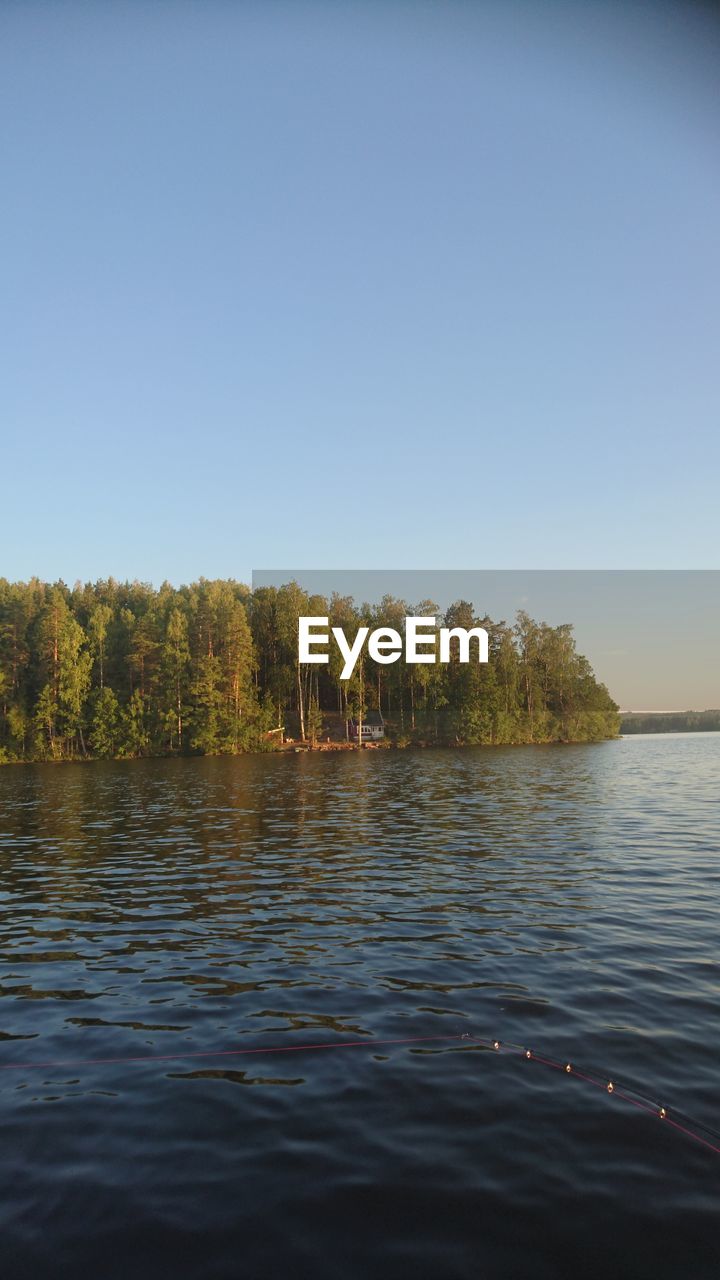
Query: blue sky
[(379, 284)]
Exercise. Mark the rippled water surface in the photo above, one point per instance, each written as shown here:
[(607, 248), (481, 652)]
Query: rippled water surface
[(565, 899)]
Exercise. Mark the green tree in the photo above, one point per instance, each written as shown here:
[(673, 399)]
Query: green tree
[(133, 737), (100, 619), (175, 663), (106, 724)]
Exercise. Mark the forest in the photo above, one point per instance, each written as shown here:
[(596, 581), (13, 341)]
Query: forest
[(121, 670), (670, 722)]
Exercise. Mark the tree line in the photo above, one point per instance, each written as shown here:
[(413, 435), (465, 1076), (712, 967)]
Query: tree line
[(123, 669), (670, 721)]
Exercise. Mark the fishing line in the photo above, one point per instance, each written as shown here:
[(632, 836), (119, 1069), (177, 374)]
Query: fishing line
[(225, 1053), (611, 1085)]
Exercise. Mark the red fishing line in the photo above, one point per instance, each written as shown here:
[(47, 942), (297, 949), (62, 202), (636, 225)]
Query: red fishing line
[(622, 1091), (223, 1053)]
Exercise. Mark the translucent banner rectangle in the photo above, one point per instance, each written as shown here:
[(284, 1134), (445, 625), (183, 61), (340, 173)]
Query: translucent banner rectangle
[(651, 636)]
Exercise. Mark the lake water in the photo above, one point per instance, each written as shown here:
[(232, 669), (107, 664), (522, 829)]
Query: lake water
[(566, 899)]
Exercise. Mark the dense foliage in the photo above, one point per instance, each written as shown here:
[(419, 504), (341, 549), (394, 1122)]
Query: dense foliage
[(121, 669)]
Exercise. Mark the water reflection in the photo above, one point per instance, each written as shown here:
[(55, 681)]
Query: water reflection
[(563, 895)]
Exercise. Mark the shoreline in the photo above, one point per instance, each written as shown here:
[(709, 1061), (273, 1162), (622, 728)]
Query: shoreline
[(305, 748)]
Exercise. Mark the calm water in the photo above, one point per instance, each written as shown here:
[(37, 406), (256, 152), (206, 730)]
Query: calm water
[(564, 898)]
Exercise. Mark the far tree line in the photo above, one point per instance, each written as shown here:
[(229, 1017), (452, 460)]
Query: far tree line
[(670, 722), (115, 669)]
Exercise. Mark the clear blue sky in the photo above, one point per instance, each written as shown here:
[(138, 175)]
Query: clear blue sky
[(378, 284)]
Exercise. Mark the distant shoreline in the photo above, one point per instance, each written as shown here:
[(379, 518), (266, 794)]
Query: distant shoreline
[(669, 722)]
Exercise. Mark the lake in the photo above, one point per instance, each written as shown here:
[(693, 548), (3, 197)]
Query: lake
[(564, 899)]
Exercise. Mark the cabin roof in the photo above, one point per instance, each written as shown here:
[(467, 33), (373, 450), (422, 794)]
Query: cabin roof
[(371, 718)]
